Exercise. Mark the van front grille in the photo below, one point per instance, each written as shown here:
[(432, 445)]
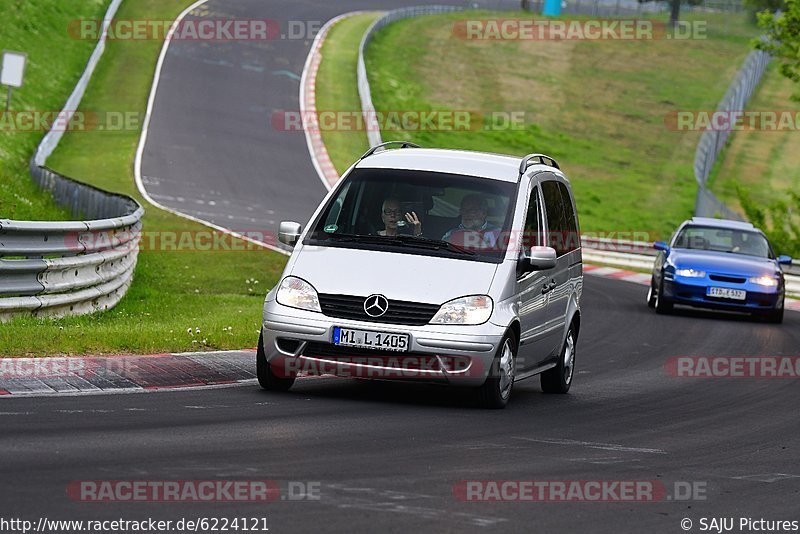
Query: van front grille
[(398, 312)]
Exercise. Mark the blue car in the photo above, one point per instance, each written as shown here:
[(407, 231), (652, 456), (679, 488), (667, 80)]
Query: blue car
[(719, 264)]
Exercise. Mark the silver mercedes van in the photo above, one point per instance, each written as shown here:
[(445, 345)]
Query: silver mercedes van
[(446, 266)]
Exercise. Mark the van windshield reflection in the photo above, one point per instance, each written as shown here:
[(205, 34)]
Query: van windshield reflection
[(418, 212)]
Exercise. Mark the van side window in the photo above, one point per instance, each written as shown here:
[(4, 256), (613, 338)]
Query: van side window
[(573, 237), (532, 234), (557, 226)]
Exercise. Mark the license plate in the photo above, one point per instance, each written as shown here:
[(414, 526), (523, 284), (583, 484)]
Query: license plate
[(726, 293), (368, 339)]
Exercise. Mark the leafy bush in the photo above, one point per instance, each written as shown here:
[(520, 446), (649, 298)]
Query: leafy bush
[(779, 219)]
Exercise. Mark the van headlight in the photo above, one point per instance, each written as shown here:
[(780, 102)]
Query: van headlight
[(766, 281), (297, 293), (472, 310)]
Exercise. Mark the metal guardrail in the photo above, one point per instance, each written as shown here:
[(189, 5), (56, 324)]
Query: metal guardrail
[(70, 267), (364, 93), (51, 140), (641, 255), (713, 141)]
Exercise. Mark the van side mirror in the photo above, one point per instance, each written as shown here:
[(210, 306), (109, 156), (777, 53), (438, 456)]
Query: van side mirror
[(661, 245), (289, 232), (540, 259), (785, 260)]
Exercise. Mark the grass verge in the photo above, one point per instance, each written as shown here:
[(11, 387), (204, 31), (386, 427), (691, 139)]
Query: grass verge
[(55, 62), (337, 87), (765, 164), (216, 295), (598, 107)]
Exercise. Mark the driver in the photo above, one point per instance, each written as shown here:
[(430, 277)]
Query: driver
[(474, 231), (392, 214)]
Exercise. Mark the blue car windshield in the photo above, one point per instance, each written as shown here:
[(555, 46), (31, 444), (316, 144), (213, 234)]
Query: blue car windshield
[(724, 240)]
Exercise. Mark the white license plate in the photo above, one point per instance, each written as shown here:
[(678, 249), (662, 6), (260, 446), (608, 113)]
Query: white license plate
[(726, 293), (368, 339)]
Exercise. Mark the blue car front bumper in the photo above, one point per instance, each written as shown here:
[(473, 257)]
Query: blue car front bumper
[(693, 292)]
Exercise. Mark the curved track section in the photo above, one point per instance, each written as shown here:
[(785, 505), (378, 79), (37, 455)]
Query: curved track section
[(389, 454), (211, 150)]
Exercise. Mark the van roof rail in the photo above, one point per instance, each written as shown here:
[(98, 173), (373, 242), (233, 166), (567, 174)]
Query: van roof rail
[(403, 144), (527, 161)]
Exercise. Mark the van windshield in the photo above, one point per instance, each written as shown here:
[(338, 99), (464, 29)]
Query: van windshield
[(418, 212)]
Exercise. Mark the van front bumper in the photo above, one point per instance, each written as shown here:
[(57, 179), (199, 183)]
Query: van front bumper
[(299, 341)]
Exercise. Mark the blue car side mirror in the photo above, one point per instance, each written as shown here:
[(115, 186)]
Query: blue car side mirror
[(785, 260), (660, 245)]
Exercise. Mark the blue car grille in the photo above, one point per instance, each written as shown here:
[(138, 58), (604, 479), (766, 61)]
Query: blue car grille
[(729, 279)]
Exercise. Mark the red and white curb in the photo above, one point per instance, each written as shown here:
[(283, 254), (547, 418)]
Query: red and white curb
[(125, 374), (644, 279), (308, 105)]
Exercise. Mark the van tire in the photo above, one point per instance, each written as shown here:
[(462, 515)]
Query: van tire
[(559, 378), (496, 391), (266, 378)]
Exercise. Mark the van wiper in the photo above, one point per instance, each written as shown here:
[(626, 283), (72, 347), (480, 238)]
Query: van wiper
[(402, 240), (364, 238), (436, 244)]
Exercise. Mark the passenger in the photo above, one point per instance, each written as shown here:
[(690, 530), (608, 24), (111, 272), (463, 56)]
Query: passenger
[(474, 231), (742, 244)]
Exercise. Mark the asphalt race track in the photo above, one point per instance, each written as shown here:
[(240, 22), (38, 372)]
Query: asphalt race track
[(387, 456), (391, 457), (212, 151)]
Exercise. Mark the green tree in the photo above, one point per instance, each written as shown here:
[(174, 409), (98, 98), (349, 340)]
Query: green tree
[(757, 6), (783, 39), (780, 220)]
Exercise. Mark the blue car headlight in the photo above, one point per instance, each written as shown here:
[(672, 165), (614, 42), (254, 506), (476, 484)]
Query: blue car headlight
[(765, 280), (690, 273)]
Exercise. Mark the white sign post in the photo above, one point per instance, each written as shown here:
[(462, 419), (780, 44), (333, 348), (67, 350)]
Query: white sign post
[(13, 71)]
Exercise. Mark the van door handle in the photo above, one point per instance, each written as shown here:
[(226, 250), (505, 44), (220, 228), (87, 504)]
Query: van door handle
[(549, 286)]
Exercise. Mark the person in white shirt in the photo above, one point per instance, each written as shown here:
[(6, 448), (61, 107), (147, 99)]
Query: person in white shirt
[(474, 231)]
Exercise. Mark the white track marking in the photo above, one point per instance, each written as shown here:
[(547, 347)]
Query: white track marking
[(593, 445), (137, 166)]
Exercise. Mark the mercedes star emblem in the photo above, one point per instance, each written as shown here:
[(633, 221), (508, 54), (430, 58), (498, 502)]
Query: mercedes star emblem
[(376, 305)]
